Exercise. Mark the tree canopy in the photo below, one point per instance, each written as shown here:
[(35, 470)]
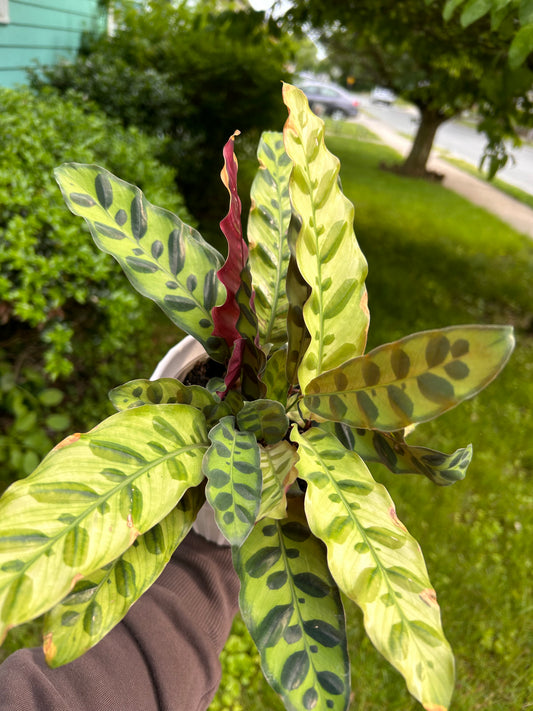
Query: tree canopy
[(500, 11), (431, 61)]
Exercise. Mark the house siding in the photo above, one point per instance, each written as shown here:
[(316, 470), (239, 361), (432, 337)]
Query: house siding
[(43, 31)]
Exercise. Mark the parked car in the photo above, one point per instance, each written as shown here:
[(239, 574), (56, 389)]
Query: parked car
[(382, 95), (330, 100)]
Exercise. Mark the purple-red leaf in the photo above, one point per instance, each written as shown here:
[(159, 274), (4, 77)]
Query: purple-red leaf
[(233, 372), (225, 317)]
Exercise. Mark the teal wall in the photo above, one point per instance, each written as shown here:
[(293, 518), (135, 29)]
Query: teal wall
[(43, 30)]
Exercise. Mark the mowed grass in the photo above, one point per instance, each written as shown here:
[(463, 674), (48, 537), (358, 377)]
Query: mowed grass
[(435, 260)]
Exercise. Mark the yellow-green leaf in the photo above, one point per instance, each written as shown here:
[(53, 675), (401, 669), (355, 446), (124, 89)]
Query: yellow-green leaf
[(411, 380), (328, 256), (279, 472)]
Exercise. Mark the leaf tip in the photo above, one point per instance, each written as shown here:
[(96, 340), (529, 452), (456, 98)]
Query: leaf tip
[(49, 648)]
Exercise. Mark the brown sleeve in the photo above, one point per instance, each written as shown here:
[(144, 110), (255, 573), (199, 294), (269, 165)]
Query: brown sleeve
[(162, 657)]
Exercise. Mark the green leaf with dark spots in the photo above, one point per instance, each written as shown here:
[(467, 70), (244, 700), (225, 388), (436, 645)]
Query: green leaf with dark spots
[(411, 380), (163, 391), (298, 292), (268, 223), (391, 450), (93, 481), (365, 553), (78, 622), (279, 472), (157, 251), (236, 498), (274, 377), (266, 419), (293, 610)]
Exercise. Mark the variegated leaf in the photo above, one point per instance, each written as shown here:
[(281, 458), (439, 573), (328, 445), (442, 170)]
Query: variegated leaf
[(268, 223), (377, 563), (163, 258), (169, 390), (411, 380), (88, 501), (293, 610), (275, 378), (327, 252), (233, 471), (391, 450), (161, 391), (100, 600), (265, 418), (279, 472)]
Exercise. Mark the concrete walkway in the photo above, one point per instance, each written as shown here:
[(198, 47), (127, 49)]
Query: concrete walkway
[(478, 192)]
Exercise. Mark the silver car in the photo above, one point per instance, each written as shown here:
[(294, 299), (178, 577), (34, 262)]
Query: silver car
[(330, 100)]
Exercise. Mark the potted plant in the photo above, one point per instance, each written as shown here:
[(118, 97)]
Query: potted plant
[(275, 441)]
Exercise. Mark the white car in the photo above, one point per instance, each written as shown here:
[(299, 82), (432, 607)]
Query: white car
[(382, 95)]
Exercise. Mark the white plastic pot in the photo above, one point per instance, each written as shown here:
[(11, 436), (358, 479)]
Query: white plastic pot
[(180, 359)]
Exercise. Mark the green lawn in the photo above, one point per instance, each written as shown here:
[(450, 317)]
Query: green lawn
[(436, 260)]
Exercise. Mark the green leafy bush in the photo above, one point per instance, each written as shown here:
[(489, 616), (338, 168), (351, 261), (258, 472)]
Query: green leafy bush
[(30, 420), (240, 669), (64, 310)]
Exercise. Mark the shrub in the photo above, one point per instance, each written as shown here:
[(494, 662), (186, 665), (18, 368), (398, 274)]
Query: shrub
[(61, 300)]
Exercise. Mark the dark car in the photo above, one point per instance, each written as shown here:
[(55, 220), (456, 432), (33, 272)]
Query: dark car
[(329, 100)]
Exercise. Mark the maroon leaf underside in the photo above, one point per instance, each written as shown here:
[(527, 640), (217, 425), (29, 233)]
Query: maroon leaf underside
[(236, 321), (233, 372), (225, 317)]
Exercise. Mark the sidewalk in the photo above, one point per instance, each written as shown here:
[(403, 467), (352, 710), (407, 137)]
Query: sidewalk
[(478, 192)]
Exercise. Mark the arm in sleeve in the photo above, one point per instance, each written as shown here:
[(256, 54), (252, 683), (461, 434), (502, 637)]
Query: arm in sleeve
[(163, 656)]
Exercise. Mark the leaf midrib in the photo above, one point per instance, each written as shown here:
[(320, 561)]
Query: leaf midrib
[(279, 261), (318, 286)]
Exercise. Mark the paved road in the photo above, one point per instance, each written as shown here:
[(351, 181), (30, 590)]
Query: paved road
[(459, 140)]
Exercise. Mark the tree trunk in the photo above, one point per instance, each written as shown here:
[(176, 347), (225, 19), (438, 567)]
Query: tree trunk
[(415, 163)]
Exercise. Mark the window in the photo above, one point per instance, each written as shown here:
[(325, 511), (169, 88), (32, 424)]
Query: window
[(4, 11)]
